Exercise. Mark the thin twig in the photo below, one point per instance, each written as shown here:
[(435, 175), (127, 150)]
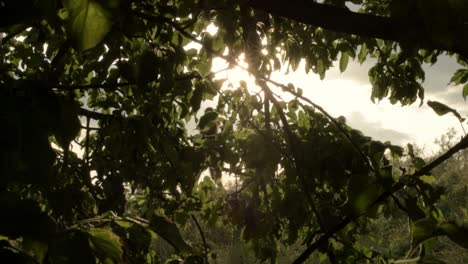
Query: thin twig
[(202, 235), (245, 184), (90, 128), (238, 172), (95, 115), (87, 141), (412, 260)]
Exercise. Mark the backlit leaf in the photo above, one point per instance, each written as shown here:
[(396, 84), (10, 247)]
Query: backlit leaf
[(106, 244), (344, 61), (89, 22)]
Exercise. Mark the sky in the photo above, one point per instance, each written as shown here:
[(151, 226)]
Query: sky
[(348, 94)]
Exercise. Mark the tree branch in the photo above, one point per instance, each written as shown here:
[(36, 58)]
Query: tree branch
[(88, 119), (409, 30), (94, 115), (331, 118), (110, 86), (462, 144), (105, 86)]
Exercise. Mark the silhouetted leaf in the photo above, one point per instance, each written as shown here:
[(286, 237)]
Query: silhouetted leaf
[(465, 91), (208, 120), (442, 109)]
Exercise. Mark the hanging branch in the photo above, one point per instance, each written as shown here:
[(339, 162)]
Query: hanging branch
[(287, 129), (293, 147), (331, 118), (181, 31), (202, 235), (268, 97)]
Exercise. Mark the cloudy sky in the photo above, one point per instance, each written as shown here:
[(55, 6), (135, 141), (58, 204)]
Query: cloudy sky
[(348, 94)]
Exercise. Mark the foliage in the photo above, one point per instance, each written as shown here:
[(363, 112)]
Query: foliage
[(119, 79)]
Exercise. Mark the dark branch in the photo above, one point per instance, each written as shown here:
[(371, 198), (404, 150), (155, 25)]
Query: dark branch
[(115, 86), (202, 235), (90, 128), (13, 34), (94, 115), (87, 141), (105, 86), (342, 20)]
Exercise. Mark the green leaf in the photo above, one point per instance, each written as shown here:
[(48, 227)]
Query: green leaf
[(204, 67), (362, 200), (442, 109), (89, 22), (37, 248), (363, 53), (456, 233), (344, 61), (414, 211), (424, 229), (106, 244), (460, 76), (428, 179), (168, 231), (321, 69)]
